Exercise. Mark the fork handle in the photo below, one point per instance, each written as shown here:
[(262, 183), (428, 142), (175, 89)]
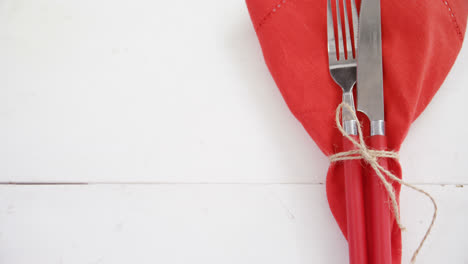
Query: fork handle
[(379, 214), (355, 212)]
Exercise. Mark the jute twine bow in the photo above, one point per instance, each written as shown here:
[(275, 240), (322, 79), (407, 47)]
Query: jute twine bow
[(371, 157)]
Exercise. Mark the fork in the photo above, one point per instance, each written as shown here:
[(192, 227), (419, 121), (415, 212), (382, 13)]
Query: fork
[(342, 65)]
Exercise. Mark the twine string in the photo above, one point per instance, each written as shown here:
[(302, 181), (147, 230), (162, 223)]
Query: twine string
[(371, 157)]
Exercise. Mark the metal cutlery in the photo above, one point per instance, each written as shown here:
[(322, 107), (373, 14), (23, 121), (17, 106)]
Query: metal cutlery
[(342, 65), (370, 101)]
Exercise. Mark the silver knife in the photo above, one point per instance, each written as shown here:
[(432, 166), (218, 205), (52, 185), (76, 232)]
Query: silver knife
[(370, 101)]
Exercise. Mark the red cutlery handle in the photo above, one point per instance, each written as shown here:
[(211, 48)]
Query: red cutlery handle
[(379, 213), (355, 212)]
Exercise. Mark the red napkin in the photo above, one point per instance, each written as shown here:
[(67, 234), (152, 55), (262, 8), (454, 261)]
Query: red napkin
[(421, 40)]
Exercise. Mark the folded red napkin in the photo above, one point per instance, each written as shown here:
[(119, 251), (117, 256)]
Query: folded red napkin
[(421, 40)]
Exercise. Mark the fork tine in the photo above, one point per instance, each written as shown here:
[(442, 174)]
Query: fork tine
[(340, 31), (354, 17), (349, 49), (331, 34)]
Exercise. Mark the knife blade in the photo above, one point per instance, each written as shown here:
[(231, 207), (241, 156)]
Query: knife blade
[(370, 97)]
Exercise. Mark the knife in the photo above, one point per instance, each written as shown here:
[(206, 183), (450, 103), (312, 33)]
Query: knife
[(370, 101)]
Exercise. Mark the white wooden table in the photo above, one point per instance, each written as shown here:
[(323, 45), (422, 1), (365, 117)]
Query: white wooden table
[(152, 132)]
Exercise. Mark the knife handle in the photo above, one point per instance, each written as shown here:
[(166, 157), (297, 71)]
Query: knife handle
[(355, 212), (379, 214)]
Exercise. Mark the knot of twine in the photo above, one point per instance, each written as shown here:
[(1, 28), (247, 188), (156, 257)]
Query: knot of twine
[(371, 157)]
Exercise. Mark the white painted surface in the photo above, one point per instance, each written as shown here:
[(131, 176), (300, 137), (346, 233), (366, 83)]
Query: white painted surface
[(148, 92), (101, 91), (210, 223)]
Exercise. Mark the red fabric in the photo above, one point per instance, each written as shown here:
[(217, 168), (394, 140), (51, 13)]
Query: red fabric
[(421, 40)]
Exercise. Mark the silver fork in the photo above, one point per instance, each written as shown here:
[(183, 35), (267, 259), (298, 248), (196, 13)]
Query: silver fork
[(343, 69), (343, 72)]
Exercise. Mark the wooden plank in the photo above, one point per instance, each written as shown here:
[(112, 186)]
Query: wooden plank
[(151, 92), (147, 92), (203, 223)]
